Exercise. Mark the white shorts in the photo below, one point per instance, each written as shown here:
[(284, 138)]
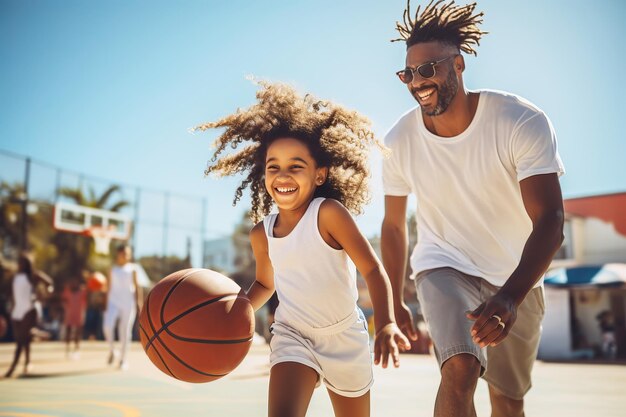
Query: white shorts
[(340, 353)]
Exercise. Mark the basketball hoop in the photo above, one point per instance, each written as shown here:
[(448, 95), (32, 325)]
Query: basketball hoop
[(102, 238)]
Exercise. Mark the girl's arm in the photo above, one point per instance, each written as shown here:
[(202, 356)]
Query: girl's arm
[(263, 287), (339, 229)]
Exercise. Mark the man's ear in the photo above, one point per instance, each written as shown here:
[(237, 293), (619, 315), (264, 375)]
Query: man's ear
[(459, 63)]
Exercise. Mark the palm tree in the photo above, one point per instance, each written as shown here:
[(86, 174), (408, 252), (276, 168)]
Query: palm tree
[(93, 201), (10, 213)]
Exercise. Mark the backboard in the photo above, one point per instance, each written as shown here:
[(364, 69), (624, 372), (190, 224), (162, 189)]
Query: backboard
[(80, 219)]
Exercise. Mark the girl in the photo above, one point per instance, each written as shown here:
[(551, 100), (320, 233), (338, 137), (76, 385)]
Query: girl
[(308, 157), (74, 307), (24, 312), (124, 297)]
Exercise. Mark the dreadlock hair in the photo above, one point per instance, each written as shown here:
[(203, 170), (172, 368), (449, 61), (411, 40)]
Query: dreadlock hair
[(337, 138), (454, 25)]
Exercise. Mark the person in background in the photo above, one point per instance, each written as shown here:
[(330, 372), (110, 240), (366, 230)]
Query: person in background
[(606, 321), (123, 300), (74, 307), (24, 312)]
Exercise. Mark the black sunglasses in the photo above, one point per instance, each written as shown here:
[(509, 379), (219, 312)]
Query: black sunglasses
[(426, 70)]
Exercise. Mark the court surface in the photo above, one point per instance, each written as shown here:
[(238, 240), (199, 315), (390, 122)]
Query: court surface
[(89, 388)]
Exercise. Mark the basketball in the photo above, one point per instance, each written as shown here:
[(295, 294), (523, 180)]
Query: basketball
[(196, 325), (96, 282)]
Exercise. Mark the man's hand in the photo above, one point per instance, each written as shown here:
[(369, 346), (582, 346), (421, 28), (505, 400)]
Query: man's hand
[(404, 319), (494, 320)]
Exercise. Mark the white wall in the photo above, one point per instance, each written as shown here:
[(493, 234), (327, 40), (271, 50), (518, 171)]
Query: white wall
[(601, 243), (556, 334)]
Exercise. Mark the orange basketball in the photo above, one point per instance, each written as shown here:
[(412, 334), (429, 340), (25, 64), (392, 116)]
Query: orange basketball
[(196, 325), (96, 282)]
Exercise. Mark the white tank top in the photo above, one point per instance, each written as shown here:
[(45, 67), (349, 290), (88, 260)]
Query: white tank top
[(22, 296), (315, 283), (122, 287)]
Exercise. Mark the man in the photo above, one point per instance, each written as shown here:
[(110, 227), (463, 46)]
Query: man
[(484, 168)]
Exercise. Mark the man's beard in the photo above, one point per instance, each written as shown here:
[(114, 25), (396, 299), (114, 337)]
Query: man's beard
[(445, 95)]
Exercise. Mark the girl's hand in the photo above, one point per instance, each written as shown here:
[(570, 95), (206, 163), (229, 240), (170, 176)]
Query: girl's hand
[(389, 341)]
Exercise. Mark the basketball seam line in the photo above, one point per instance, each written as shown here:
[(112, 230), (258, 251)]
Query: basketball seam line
[(147, 306), (164, 326), (155, 333), (194, 340), (167, 349), (157, 352), (173, 355), (186, 364), (208, 341)]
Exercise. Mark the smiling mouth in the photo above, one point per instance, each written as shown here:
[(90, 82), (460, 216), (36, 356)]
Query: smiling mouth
[(425, 94), (285, 190)]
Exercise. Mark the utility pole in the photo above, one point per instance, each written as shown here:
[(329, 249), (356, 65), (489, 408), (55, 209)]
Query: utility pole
[(24, 203), (166, 204)]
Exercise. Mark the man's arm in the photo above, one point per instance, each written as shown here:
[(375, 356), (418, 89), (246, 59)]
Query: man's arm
[(394, 248), (543, 201), (544, 204)]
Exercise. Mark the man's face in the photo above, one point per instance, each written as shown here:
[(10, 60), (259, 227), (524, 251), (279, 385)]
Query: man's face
[(436, 93)]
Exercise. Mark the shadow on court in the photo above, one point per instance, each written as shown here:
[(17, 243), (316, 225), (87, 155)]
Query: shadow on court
[(90, 388), (35, 375)]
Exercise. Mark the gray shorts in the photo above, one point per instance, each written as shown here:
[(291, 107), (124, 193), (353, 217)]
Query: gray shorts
[(445, 295)]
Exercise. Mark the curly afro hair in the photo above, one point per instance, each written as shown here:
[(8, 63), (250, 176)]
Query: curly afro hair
[(337, 138)]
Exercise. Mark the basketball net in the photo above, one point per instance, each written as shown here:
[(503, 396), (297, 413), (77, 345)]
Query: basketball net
[(102, 239)]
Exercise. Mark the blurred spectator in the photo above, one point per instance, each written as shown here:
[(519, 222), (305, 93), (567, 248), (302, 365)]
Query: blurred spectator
[(74, 307), (606, 321), (24, 312)]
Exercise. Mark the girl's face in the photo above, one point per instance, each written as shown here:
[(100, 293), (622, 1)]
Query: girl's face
[(123, 256), (291, 173)]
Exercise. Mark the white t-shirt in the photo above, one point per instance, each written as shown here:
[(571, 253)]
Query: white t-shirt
[(470, 214), (22, 296), (122, 287)]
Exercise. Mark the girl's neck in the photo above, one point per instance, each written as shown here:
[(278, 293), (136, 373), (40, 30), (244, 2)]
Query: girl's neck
[(287, 220)]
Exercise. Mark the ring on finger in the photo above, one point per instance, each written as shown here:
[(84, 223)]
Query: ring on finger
[(501, 323), (495, 316)]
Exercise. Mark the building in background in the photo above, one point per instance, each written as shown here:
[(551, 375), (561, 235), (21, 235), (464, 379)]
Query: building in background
[(220, 254), (586, 285)]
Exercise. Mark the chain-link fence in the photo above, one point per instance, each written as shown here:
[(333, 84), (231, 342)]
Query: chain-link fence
[(165, 224)]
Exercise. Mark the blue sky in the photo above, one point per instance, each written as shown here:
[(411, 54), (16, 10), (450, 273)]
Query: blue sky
[(109, 88)]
